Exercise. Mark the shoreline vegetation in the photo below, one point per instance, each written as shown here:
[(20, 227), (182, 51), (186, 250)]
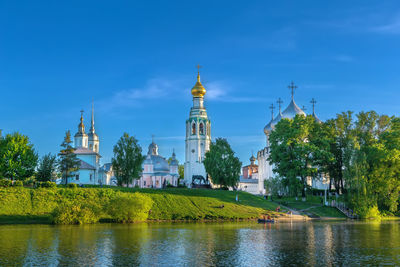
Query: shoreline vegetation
[(61, 205)]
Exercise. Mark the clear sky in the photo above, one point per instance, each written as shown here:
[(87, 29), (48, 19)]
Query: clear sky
[(136, 61)]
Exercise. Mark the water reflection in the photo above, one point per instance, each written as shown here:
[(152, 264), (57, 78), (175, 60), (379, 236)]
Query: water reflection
[(202, 244)]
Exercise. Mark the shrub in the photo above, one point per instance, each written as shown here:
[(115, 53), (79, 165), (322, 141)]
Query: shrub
[(15, 201), (129, 208), (47, 184), (73, 213), (5, 182), (29, 181), (366, 212), (18, 183), (72, 185)]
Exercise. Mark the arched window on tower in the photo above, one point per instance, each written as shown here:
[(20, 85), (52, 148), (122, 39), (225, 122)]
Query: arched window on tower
[(95, 148), (193, 128), (201, 128)]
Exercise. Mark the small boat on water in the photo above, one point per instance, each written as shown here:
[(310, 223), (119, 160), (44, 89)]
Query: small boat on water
[(266, 221)]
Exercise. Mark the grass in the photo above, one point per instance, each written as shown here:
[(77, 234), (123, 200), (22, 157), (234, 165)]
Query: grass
[(168, 204), (326, 212), (312, 206)]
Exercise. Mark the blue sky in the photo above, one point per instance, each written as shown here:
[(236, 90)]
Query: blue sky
[(136, 60)]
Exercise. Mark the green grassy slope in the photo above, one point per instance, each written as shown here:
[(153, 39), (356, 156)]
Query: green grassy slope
[(26, 205)]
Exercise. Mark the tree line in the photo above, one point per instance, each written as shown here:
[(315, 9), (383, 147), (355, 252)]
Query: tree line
[(359, 154), (20, 161)]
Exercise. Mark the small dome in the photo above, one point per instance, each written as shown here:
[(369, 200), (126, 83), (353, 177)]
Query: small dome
[(153, 149), (268, 128), (198, 89), (316, 118), (292, 110), (252, 158), (174, 161)]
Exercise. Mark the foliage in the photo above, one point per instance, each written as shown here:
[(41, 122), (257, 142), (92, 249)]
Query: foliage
[(15, 201), (130, 208), (274, 186), (127, 160), (18, 158), (5, 182), (221, 164), (297, 151), (72, 185), (29, 181), (74, 213), (361, 157), (168, 204), (47, 168), (47, 184), (68, 163), (18, 184)]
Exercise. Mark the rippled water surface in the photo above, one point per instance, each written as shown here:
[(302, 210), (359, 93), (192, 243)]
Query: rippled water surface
[(202, 244)]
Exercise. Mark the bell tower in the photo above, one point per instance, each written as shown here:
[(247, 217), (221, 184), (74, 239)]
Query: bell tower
[(198, 134)]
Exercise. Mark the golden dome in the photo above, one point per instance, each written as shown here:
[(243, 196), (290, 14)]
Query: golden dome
[(198, 89)]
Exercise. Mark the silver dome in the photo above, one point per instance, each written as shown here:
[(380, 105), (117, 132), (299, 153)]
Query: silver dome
[(292, 110)]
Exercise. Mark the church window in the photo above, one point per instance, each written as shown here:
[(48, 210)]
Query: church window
[(91, 146), (95, 148), (91, 176), (77, 177), (144, 183), (193, 128), (201, 128)]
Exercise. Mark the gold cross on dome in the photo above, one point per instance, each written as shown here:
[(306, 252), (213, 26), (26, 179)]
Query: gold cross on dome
[(198, 68)]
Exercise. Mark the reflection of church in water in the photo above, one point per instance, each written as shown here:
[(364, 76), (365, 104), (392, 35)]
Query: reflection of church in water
[(265, 168)]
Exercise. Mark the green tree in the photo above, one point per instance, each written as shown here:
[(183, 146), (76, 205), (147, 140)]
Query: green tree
[(221, 164), (47, 168), (127, 160), (340, 133), (295, 151), (18, 158), (68, 163)]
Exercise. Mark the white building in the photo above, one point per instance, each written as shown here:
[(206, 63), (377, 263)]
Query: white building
[(198, 135), (264, 167), (87, 151), (157, 173)]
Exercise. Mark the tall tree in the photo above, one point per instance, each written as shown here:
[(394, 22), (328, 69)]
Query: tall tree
[(68, 163), (127, 160), (221, 164), (295, 151), (47, 168), (18, 158)]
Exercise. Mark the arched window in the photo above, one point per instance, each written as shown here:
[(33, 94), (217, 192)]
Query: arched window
[(193, 128), (95, 148), (201, 128)]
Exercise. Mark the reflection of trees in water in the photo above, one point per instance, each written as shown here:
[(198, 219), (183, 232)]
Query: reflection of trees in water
[(202, 244), (128, 241), (13, 245)]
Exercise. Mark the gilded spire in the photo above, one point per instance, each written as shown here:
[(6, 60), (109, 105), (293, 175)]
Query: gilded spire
[(198, 89), (81, 126)]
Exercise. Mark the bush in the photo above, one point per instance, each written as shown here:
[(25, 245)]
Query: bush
[(72, 185), (15, 201), (47, 184), (18, 184), (366, 212), (72, 213), (5, 183), (29, 181), (130, 208)]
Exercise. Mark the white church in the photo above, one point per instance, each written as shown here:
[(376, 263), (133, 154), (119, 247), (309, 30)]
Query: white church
[(265, 168), (87, 151)]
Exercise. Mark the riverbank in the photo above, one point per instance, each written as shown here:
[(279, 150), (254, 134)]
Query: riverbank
[(26, 205)]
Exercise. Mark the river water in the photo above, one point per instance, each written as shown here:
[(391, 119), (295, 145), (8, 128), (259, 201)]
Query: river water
[(202, 244)]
